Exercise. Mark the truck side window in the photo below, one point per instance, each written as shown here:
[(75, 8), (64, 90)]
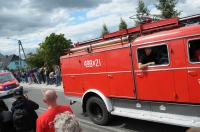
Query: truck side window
[(154, 55), (194, 50)]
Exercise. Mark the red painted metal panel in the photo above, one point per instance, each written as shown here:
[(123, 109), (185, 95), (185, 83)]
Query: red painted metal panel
[(93, 68), (94, 63), (98, 82), (194, 84), (110, 71), (72, 85), (178, 60), (157, 86), (153, 26), (115, 34), (171, 34), (120, 73), (154, 83), (160, 24), (193, 72), (134, 29), (70, 74)]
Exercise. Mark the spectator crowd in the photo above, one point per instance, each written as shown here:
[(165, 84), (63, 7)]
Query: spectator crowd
[(41, 75), (22, 116)]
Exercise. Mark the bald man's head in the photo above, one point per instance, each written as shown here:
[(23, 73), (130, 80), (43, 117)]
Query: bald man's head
[(50, 96)]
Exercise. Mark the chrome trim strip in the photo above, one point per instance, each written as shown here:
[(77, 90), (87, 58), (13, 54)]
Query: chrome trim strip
[(96, 73), (168, 69), (151, 70)]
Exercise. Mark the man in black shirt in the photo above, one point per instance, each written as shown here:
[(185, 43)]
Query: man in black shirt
[(147, 59), (6, 122), (23, 111)]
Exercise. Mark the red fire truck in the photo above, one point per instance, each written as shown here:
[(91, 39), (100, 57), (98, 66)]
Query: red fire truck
[(148, 72)]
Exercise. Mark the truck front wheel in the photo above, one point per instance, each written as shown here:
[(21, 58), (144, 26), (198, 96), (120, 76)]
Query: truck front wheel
[(97, 111)]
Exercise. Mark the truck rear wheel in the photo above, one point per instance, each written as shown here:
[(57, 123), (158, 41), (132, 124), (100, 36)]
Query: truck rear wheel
[(97, 111)]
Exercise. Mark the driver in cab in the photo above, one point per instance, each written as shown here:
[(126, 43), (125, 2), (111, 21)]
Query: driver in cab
[(146, 59)]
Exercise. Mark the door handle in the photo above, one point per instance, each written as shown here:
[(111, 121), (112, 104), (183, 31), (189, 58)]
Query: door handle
[(192, 73), (140, 74), (110, 76)]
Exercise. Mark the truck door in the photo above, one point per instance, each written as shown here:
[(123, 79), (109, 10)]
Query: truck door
[(178, 61), (154, 82), (119, 72), (193, 69)]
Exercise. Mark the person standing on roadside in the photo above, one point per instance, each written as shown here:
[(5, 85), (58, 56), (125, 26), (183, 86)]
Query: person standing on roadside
[(45, 122), (46, 73), (29, 77), (23, 112), (6, 122), (42, 74), (57, 74)]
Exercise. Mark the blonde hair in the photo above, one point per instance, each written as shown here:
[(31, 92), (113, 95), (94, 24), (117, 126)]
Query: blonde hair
[(66, 122)]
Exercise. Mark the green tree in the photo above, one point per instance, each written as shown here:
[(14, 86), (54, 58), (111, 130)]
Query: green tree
[(35, 59), (168, 8), (104, 30), (53, 47), (122, 24), (49, 51), (141, 10)]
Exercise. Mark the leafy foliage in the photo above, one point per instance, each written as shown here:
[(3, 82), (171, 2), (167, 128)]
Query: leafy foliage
[(168, 8), (104, 30), (141, 11), (122, 24), (35, 59), (49, 51)]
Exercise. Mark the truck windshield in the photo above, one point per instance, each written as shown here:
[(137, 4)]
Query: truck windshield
[(6, 77)]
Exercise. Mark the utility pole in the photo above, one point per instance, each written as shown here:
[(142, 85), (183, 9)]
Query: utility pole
[(21, 47), (19, 58)]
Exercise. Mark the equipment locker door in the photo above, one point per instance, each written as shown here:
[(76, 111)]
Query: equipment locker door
[(119, 73), (193, 69), (93, 69), (72, 82), (154, 82)]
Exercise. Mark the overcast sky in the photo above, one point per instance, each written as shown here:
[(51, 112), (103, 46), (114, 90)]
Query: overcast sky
[(32, 20)]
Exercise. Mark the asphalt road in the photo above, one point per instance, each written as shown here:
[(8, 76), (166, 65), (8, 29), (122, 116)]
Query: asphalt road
[(117, 124)]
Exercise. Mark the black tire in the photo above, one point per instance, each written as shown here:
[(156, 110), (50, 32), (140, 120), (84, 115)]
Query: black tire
[(97, 111)]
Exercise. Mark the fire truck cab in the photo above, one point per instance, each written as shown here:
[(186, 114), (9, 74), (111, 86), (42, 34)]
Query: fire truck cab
[(105, 74)]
